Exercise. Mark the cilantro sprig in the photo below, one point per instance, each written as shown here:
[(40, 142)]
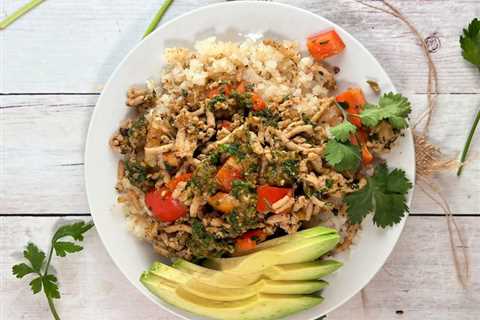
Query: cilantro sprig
[(339, 152), (392, 107), (384, 195), (470, 42), (39, 268)]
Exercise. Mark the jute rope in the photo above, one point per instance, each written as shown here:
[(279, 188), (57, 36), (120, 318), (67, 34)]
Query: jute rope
[(429, 160)]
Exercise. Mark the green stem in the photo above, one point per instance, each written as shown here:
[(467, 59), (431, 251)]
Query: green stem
[(52, 308), (45, 272), (20, 12), (468, 143), (161, 12)]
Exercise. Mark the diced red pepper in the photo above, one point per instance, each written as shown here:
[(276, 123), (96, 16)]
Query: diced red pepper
[(244, 244), (367, 157), (163, 206), (225, 124), (172, 184), (229, 172), (355, 100), (258, 102), (325, 44), (241, 87), (268, 195)]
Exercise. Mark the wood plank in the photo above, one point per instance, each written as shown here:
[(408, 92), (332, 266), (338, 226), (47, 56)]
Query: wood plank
[(43, 141), (418, 278), (77, 44)]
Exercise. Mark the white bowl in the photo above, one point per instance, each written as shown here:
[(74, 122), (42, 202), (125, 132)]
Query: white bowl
[(231, 21)]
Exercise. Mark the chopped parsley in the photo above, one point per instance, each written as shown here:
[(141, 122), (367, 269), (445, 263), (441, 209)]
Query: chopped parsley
[(269, 118), (138, 175), (217, 99), (392, 107), (240, 187)]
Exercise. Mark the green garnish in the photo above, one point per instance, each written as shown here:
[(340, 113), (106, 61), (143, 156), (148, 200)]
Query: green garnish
[(240, 187), (38, 267), (384, 194), (470, 42), (158, 16), (392, 107), (342, 156), (342, 131), (290, 167), (216, 99), (20, 12)]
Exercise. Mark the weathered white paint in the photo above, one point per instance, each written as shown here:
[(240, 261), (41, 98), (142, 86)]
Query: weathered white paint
[(44, 136), (73, 46), (418, 278)]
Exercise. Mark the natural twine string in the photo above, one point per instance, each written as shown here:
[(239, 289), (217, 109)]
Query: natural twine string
[(428, 158)]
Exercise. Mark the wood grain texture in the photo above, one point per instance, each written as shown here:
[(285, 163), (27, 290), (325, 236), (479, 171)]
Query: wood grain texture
[(44, 136), (417, 279), (73, 46)]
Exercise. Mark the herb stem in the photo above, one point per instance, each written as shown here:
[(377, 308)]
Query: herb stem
[(20, 12), (52, 307), (466, 148), (158, 16)]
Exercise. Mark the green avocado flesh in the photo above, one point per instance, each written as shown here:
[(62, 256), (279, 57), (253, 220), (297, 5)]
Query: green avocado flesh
[(304, 234), (206, 289), (257, 307), (276, 279), (301, 250), (294, 272)]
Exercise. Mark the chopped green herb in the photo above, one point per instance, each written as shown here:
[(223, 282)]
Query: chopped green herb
[(217, 99), (240, 187), (269, 118), (394, 108)]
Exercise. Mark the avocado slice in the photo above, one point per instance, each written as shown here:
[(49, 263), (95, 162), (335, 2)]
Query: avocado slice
[(298, 271), (303, 234), (205, 289), (259, 307), (301, 250)]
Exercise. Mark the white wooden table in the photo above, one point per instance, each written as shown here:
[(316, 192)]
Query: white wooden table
[(53, 63)]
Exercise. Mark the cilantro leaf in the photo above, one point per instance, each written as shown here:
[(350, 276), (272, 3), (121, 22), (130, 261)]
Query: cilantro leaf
[(342, 131), (75, 230), (342, 156), (62, 248), (21, 270), (35, 256), (470, 42), (36, 285), (385, 194), (50, 286), (392, 107)]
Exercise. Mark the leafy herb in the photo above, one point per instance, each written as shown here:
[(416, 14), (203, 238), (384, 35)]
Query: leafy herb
[(394, 108), (40, 269), (342, 131), (216, 99), (243, 101), (20, 12), (158, 16), (240, 187), (269, 118), (203, 244), (342, 156), (470, 42), (137, 174), (290, 167), (232, 149), (328, 183), (384, 194)]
